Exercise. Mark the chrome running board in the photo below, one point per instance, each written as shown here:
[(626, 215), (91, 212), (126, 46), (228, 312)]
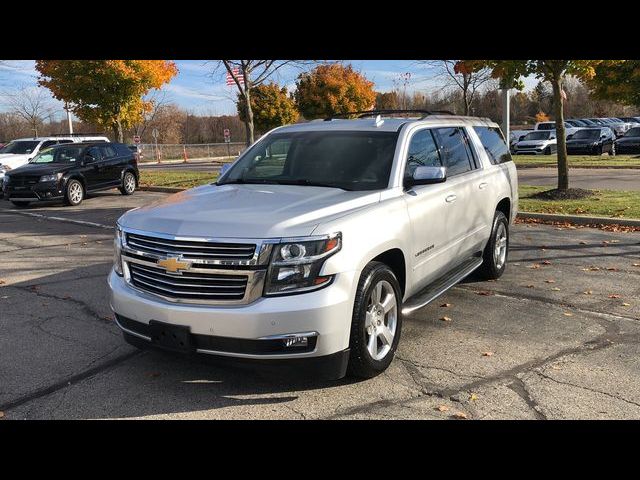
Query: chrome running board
[(441, 285)]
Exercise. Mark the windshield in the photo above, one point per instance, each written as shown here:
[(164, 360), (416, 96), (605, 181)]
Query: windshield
[(347, 159), (586, 134), (537, 136), (19, 147), (633, 132), (547, 126), (58, 155)]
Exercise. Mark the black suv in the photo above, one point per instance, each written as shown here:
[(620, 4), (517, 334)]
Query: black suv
[(68, 172), (592, 141)]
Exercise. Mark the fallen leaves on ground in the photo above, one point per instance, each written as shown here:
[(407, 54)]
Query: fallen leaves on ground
[(568, 314), (535, 265), (588, 292), (635, 264), (459, 416), (485, 293), (445, 305), (442, 408), (546, 262), (625, 304), (591, 269), (108, 318), (445, 319), (2, 282), (531, 286), (612, 269), (473, 397), (487, 354), (583, 243), (550, 281), (615, 295), (555, 289)]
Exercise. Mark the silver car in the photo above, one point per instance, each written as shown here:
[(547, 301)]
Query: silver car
[(312, 246)]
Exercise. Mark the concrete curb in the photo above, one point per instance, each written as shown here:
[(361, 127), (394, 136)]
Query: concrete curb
[(592, 167), (579, 219), (161, 189)]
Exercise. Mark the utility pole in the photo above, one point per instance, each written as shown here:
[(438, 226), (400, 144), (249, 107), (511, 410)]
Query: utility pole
[(66, 107), (505, 113)]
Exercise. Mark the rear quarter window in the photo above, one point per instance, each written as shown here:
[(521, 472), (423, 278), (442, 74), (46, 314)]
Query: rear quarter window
[(494, 144)]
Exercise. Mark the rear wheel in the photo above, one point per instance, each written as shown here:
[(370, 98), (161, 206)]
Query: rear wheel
[(494, 258), (547, 151), (74, 193), (376, 321), (128, 184), (20, 204)]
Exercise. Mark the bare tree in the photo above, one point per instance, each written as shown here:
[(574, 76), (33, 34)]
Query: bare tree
[(32, 104), (455, 78), (158, 100), (251, 73)]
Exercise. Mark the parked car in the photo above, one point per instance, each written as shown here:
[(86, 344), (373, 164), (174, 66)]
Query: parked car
[(540, 142), (630, 142), (590, 123), (285, 258), (69, 172), (592, 141), (568, 129), (618, 126), (18, 152), (576, 123), (634, 121), (137, 151), (515, 136)]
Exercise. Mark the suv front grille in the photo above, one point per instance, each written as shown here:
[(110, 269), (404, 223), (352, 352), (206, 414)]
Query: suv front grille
[(191, 249), (23, 180), (192, 286)]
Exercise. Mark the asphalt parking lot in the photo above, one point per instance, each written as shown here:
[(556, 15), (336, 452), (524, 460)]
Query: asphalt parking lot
[(557, 337)]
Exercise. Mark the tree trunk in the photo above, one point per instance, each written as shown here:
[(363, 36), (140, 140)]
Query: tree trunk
[(563, 165), (248, 124)]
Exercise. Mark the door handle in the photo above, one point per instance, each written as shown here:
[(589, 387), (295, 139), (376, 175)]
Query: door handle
[(483, 185), (451, 198)]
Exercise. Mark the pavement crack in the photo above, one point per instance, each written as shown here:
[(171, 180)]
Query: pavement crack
[(592, 390), (520, 389)]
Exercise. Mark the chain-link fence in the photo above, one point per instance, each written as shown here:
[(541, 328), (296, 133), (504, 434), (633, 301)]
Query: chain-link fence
[(189, 151)]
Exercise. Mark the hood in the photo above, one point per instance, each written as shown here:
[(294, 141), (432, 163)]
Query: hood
[(40, 169), (629, 140), (582, 141), (533, 143), (13, 160), (246, 211)]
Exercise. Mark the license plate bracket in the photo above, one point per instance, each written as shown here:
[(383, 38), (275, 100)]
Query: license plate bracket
[(171, 337)]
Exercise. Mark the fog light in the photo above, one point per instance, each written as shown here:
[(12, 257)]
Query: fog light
[(296, 341)]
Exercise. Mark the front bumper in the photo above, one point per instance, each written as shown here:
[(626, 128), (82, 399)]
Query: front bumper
[(243, 331), (33, 193)]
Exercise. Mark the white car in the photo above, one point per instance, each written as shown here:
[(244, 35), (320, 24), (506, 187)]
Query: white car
[(18, 152), (568, 129), (539, 142), (312, 246)]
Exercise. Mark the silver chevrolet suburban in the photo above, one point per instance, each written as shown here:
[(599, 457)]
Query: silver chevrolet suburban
[(312, 246)]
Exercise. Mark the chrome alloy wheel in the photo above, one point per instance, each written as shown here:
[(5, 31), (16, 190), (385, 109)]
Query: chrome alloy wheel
[(381, 319), (75, 193), (500, 249), (129, 183)]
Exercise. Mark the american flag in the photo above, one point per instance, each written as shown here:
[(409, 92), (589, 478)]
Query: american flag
[(236, 74)]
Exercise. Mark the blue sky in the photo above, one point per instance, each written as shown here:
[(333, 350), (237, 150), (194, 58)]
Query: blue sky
[(199, 91)]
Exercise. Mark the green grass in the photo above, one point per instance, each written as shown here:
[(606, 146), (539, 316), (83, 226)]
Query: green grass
[(606, 203), (175, 178), (578, 161)]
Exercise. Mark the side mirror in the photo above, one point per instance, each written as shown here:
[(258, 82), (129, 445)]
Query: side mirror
[(224, 169), (569, 136), (427, 176)]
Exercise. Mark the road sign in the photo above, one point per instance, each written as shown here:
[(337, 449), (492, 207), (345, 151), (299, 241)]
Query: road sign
[(155, 134), (136, 139), (227, 135)]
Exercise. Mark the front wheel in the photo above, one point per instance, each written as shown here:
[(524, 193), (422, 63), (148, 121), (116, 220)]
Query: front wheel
[(494, 258), (74, 193), (128, 184), (547, 151), (376, 321), (20, 204)]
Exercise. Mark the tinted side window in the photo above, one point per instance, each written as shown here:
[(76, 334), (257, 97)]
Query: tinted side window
[(108, 152), (494, 144), (48, 143), (423, 151), (95, 153), (456, 154), (60, 142)]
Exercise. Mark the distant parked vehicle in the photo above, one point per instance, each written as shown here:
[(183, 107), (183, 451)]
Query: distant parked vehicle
[(619, 127), (576, 123), (137, 151), (568, 129), (540, 142), (631, 120), (589, 123), (592, 141), (515, 136), (630, 142)]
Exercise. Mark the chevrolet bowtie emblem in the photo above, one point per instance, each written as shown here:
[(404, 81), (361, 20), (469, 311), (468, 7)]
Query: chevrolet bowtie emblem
[(174, 264)]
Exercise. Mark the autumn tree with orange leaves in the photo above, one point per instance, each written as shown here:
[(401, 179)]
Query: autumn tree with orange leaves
[(109, 93), (333, 89)]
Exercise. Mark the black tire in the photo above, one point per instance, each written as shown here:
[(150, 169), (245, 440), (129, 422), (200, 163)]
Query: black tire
[(128, 185), (491, 268), (20, 204), (74, 192), (361, 362), (547, 151), (599, 150)]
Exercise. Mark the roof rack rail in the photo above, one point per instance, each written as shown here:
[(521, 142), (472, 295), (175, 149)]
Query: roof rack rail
[(76, 134), (370, 113)]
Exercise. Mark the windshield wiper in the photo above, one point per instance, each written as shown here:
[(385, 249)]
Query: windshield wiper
[(310, 183), (241, 181)]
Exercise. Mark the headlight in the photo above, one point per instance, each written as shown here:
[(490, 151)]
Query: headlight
[(296, 263), (117, 251), (51, 178)]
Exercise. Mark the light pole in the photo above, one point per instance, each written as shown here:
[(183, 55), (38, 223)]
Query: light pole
[(66, 107), (505, 113)]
